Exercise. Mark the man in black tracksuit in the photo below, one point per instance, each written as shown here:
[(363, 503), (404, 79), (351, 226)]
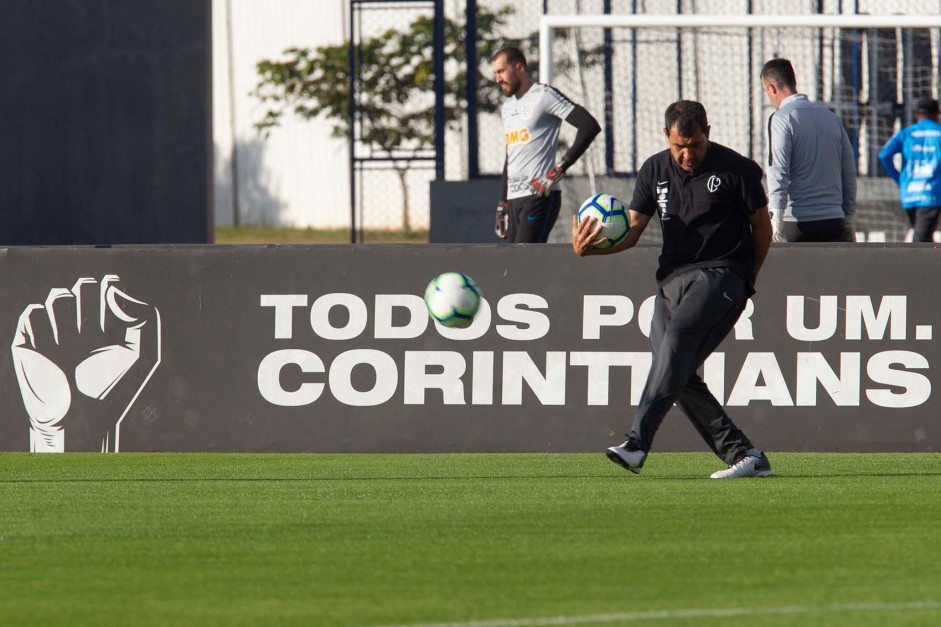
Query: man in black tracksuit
[(716, 233)]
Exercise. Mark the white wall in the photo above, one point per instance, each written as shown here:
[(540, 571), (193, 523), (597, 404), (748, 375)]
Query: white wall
[(299, 176)]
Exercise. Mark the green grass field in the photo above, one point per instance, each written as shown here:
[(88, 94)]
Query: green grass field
[(467, 540)]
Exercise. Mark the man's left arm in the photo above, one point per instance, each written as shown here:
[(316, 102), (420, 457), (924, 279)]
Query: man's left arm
[(587, 129), (849, 188), (887, 156), (779, 169), (761, 234), (753, 195)]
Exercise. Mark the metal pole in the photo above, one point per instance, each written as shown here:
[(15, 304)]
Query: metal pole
[(470, 51), (751, 79), (351, 106), (908, 77), (545, 52), (679, 54), (819, 64), (937, 78), (609, 98), (440, 119), (634, 92), (234, 155), (874, 88)]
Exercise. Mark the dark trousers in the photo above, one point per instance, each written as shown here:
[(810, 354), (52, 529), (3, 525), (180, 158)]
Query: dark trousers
[(531, 218), (924, 220), (815, 230), (692, 315)]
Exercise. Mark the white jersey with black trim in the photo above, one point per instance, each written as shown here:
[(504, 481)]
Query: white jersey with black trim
[(531, 125)]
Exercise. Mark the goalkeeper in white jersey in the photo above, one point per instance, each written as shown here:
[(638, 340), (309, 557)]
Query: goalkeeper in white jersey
[(532, 116)]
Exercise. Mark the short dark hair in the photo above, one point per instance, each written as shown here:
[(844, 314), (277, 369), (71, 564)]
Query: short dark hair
[(927, 106), (513, 56), (689, 116), (780, 72)]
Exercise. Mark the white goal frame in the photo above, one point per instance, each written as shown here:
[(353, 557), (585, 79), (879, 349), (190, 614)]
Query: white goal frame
[(549, 23), (885, 218)]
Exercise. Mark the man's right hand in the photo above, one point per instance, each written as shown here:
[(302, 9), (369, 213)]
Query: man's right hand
[(849, 230), (502, 220), (585, 236), (777, 226)]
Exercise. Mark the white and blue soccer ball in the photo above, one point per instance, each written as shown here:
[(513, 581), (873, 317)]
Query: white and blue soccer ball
[(610, 213), (453, 299)]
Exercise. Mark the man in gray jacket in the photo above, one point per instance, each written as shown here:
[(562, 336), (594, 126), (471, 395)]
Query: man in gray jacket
[(811, 166)]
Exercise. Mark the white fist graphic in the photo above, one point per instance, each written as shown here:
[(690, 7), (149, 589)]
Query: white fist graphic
[(81, 360)]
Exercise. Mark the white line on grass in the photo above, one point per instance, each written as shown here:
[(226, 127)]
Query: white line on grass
[(686, 613)]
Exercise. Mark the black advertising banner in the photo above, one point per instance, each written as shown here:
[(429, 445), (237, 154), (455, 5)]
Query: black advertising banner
[(329, 349)]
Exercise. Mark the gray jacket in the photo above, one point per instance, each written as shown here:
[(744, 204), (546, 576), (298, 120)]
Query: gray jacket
[(811, 166)]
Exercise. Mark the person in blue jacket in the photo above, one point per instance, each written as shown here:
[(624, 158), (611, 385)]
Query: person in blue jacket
[(919, 178)]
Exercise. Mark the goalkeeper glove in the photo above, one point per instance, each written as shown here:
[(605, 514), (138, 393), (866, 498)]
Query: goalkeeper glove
[(543, 184), (502, 222)]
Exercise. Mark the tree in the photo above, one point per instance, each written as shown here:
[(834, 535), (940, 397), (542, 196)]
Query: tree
[(395, 92)]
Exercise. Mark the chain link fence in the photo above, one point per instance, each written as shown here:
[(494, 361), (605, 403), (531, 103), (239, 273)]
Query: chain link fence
[(625, 77), (393, 158), (872, 78)]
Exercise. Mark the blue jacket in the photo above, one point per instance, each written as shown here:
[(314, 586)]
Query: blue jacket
[(920, 177)]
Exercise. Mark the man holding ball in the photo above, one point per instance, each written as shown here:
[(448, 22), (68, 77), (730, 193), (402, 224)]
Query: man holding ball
[(716, 233)]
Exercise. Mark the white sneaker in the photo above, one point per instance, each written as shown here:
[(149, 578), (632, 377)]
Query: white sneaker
[(748, 466), (627, 456)]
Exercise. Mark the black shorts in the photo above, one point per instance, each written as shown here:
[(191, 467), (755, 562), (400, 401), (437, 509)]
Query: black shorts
[(815, 230), (924, 221), (531, 218)]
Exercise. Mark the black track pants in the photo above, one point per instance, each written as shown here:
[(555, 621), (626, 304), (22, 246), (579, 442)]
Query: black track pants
[(692, 315)]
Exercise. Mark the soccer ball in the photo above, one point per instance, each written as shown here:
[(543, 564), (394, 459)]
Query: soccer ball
[(610, 213), (453, 299)]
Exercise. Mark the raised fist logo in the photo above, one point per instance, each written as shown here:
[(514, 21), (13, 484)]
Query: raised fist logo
[(81, 360)]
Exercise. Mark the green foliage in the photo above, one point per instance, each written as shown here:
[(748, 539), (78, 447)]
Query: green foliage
[(395, 95)]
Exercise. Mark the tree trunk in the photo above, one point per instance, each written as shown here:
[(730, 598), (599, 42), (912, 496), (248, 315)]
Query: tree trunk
[(406, 225)]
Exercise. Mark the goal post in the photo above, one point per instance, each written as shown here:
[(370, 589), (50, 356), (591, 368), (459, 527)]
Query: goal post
[(550, 22), (869, 69)]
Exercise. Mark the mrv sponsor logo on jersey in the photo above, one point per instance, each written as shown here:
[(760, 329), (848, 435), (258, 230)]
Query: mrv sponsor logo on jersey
[(519, 136)]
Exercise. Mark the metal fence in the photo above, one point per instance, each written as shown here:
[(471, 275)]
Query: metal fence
[(872, 78), (302, 179)]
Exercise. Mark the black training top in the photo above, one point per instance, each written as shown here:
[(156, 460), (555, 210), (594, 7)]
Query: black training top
[(703, 214)]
